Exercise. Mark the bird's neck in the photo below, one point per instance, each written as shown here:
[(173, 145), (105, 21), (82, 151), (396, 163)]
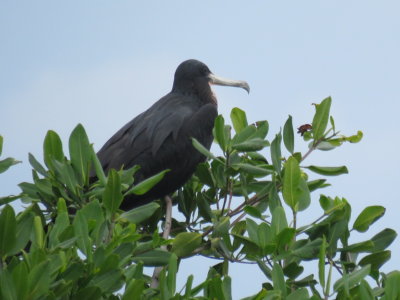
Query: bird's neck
[(203, 95)]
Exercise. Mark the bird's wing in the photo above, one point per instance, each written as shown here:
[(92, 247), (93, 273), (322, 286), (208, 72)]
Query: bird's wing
[(145, 134)]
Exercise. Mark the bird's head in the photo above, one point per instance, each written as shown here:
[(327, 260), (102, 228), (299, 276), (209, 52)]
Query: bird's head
[(194, 77)]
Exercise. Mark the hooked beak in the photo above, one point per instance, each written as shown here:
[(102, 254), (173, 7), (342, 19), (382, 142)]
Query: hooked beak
[(228, 82)]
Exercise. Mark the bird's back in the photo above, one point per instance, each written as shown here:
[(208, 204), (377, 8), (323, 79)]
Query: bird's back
[(159, 139)]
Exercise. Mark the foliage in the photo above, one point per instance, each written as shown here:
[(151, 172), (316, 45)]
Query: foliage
[(72, 242)]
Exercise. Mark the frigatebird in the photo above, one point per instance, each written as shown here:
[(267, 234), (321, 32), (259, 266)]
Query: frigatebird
[(161, 137)]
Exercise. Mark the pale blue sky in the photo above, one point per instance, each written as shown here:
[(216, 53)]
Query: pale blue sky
[(100, 63)]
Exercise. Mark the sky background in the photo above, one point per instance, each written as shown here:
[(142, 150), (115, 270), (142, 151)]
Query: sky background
[(101, 63)]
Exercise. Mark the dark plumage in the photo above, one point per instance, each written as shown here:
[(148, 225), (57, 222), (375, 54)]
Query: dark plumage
[(160, 137)]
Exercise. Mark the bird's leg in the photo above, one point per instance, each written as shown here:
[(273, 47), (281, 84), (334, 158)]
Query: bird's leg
[(167, 229)]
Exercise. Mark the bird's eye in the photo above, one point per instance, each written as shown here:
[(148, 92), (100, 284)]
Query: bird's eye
[(205, 70)]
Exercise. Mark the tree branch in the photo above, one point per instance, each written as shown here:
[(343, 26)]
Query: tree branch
[(167, 229)]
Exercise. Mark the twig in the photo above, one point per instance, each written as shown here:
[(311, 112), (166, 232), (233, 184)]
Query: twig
[(310, 150), (336, 266), (238, 219), (238, 209), (155, 280), (230, 197), (294, 219), (226, 196)]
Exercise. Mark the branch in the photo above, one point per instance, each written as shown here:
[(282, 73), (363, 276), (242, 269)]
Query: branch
[(167, 229), (238, 219)]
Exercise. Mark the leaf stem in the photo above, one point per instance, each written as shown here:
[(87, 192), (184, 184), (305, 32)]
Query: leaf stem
[(227, 183), (294, 219)]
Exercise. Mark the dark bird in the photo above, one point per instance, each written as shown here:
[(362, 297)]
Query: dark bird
[(160, 138)]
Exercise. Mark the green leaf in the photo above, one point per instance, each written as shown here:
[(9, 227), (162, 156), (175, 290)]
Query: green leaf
[(204, 207), (276, 153), (139, 214), (383, 239), (133, 290), (329, 280), (367, 217), (254, 144), (61, 223), (20, 278), (147, 184), (5, 164), (253, 170), (328, 171), (355, 138), (316, 184), (154, 258), (252, 230), (7, 290), (89, 292), (37, 166), (80, 225), (67, 175), (8, 229), (185, 243), (392, 285), (308, 251), (325, 145), (256, 156), (262, 129), (38, 233), (203, 150), (79, 151), (285, 238), (279, 221), (264, 268), (332, 121), (219, 132), (250, 247), (350, 280), (245, 134), (239, 120), (1, 144), (299, 294), (321, 263), (97, 166), (39, 280), (172, 271), (8, 199), (52, 149), (108, 282), (376, 260), (203, 172), (264, 235), (188, 287), (288, 135), (291, 183), (365, 292), (321, 117), (359, 247), (278, 279), (252, 211), (304, 197), (112, 196), (23, 232), (293, 270), (221, 227), (325, 202)]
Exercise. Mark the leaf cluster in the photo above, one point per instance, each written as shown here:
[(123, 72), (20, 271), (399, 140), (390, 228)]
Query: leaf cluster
[(71, 241)]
